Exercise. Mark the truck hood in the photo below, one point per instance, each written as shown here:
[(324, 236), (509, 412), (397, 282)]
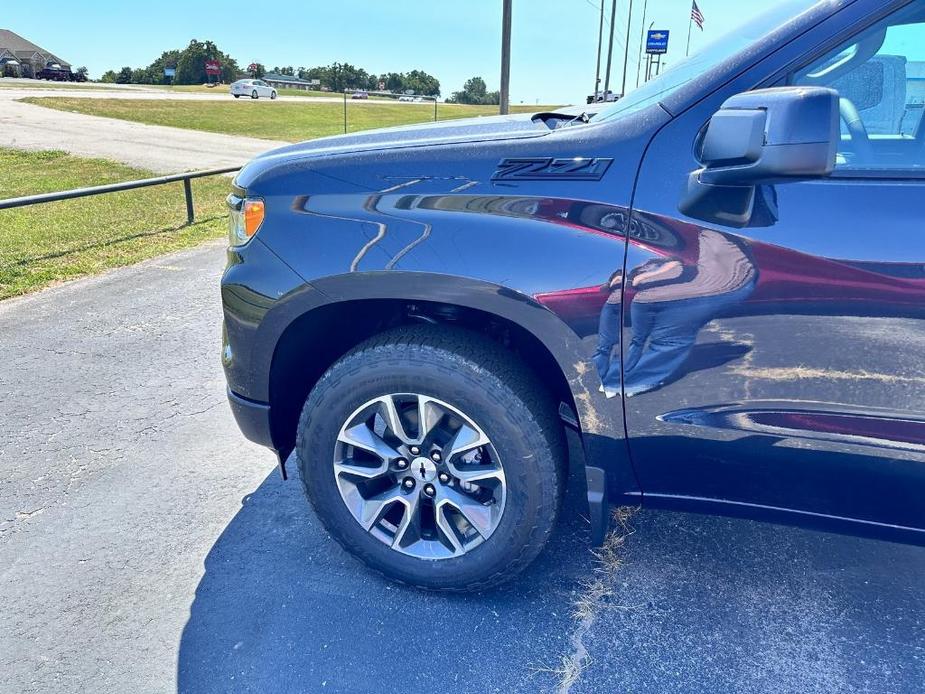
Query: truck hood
[(420, 135)]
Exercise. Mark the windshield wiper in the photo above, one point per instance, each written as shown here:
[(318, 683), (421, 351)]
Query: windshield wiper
[(584, 117), (554, 121)]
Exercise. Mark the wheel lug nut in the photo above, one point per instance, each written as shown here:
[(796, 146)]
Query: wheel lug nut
[(444, 478), (429, 489), (435, 456), (415, 450), (401, 463), (408, 483)]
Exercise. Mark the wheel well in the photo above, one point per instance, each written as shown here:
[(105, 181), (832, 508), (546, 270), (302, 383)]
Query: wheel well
[(319, 338)]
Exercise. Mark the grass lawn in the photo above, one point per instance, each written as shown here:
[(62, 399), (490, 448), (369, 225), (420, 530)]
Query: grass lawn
[(44, 244), (268, 119)]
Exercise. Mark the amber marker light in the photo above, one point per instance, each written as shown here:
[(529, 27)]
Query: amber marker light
[(253, 216)]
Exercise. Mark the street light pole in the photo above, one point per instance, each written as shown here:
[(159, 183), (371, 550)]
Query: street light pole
[(506, 58), (600, 41), (626, 47), (642, 39), (613, 14)]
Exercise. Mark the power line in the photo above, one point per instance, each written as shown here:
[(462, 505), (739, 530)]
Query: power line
[(597, 8)]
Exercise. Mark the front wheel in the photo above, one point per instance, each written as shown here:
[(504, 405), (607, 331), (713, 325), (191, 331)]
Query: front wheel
[(254, 94), (236, 96), (435, 457), (272, 95)]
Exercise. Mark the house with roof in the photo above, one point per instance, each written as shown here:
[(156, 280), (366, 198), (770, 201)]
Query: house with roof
[(20, 57), (274, 79)]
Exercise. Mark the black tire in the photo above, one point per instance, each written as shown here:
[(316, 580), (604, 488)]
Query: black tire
[(236, 96), (485, 382), (254, 94), (272, 95)]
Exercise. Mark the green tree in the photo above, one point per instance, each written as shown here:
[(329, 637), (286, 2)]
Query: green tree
[(394, 82), (191, 63), (421, 83), (475, 92), (156, 69), (340, 76)]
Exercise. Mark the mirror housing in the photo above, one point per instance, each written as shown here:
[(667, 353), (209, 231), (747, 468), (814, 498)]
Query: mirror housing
[(757, 138)]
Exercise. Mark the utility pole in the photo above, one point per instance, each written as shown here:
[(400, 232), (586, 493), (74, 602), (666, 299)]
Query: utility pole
[(600, 41), (613, 14), (506, 58), (626, 47)]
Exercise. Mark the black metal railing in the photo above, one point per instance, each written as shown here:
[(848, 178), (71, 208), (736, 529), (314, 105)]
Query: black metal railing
[(118, 187)]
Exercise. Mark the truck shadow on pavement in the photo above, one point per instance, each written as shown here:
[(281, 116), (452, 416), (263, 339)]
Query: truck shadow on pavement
[(698, 604), (282, 608)]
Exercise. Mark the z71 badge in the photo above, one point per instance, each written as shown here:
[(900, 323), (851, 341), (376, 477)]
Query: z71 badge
[(549, 169)]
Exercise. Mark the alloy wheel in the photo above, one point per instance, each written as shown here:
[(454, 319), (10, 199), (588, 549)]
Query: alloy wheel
[(419, 475)]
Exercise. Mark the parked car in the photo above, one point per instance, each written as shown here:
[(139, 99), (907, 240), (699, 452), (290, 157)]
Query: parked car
[(716, 286), (252, 88), (359, 95)]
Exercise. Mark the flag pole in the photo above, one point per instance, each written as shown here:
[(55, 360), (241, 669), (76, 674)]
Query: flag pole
[(690, 24)]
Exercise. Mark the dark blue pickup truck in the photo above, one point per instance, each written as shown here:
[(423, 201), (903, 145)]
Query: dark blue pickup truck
[(716, 284)]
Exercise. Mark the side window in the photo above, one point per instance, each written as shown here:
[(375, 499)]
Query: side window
[(880, 78)]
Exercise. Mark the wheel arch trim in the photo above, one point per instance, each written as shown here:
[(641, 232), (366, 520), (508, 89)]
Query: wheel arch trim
[(608, 470)]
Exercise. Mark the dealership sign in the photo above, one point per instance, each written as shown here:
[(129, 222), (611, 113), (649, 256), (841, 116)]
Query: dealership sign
[(657, 41), (213, 67)]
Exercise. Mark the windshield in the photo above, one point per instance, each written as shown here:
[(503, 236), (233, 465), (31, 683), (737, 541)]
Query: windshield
[(712, 55)]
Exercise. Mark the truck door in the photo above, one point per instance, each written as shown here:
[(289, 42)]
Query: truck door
[(779, 370)]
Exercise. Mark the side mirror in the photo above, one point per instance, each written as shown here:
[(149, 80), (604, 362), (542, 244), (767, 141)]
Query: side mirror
[(757, 138)]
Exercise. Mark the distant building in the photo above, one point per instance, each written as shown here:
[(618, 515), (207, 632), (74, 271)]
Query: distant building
[(274, 79), (22, 58)]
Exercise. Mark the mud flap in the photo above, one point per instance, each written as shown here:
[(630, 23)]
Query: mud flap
[(596, 480)]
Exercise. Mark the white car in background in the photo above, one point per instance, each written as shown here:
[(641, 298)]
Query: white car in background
[(252, 88)]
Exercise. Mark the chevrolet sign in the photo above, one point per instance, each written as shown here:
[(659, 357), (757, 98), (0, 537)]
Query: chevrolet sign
[(657, 41)]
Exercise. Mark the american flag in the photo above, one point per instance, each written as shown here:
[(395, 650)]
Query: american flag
[(697, 15)]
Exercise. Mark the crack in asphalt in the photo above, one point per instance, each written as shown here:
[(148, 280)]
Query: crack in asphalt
[(595, 595)]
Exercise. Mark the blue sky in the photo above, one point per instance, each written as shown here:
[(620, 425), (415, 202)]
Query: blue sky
[(554, 42)]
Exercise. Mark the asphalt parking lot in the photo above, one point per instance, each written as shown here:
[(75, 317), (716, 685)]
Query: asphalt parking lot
[(145, 546)]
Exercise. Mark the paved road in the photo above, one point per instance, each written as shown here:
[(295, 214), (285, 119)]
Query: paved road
[(137, 92), (145, 546), (158, 148)]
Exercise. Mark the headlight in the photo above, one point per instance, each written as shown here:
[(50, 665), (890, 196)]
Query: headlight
[(245, 218)]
